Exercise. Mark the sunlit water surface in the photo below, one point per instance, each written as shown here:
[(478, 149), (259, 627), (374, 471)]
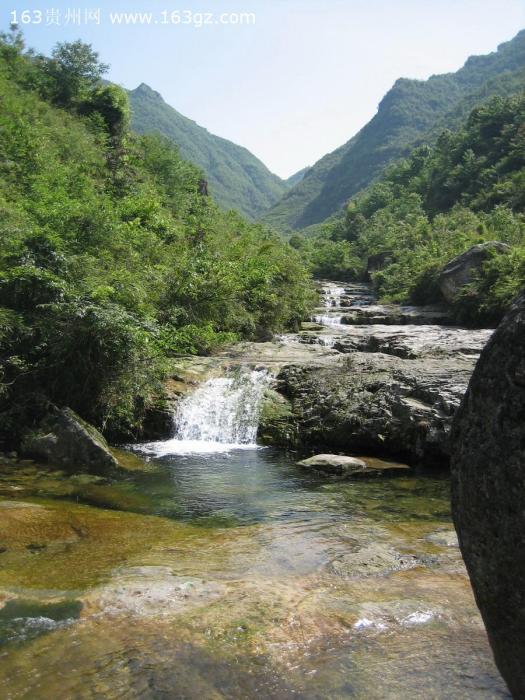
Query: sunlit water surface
[(234, 574)]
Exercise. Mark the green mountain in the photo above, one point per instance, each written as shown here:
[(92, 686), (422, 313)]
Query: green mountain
[(238, 180), (412, 112), (296, 178)]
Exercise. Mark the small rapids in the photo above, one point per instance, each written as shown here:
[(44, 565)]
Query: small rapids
[(327, 320), (221, 415), (331, 296)]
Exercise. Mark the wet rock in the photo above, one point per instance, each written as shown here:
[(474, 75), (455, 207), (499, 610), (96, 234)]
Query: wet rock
[(153, 591), (275, 425), (460, 270), (372, 560), (339, 465), (394, 315), (443, 538), (408, 342), (32, 527), (405, 612), (158, 423), (66, 440), (310, 326), (488, 483), (411, 342), (375, 404)]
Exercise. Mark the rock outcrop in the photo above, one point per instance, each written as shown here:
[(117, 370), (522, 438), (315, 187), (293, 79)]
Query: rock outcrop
[(64, 439), (460, 270), (488, 487), (371, 403), (408, 342), (395, 315)]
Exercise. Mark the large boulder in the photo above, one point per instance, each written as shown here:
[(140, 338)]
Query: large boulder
[(460, 270), (64, 439), (488, 491), (371, 403)]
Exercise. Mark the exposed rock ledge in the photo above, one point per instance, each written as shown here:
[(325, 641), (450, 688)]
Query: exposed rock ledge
[(368, 402)]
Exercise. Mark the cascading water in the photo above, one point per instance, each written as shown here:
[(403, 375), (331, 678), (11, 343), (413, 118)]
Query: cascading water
[(222, 414), (326, 320), (331, 295)]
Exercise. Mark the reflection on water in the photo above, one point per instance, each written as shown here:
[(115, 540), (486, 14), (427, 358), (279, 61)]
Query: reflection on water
[(234, 575)]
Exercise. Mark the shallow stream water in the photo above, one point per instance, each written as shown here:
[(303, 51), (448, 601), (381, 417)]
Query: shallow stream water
[(235, 575)]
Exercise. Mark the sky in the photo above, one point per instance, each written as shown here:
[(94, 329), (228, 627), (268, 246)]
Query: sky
[(292, 80)]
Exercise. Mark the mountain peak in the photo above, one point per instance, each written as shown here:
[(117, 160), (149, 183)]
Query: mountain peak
[(238, 180), (146, 91)]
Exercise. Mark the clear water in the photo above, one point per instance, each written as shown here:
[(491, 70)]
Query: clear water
[(234, 575)]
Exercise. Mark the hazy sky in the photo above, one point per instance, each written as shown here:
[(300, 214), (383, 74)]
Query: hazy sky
[(300, 81)]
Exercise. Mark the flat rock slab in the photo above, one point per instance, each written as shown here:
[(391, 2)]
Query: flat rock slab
[(339, 465), (392, 314), (352, 467), (372, 560)]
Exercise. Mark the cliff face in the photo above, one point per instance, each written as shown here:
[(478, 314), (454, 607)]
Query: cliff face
[(488, 468)]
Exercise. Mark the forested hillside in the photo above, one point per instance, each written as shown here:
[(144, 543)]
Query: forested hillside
[(238, 180), (467, 189), (297, 177), (112, 256), (411, 112)]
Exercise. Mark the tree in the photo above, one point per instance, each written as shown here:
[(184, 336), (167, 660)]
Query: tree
[(75, 70)]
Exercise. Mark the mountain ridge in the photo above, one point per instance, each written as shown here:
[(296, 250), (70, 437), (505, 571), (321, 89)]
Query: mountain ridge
[(410, 112), (237, 178)]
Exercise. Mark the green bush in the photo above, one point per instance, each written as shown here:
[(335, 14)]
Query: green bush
[(112, 256)]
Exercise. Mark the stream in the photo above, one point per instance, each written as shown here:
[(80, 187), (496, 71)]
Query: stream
[(218, 568)]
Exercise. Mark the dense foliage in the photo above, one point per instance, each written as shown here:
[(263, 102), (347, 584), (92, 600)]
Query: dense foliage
[(468, 188), (112, 257), (412, 112), (238, 180)]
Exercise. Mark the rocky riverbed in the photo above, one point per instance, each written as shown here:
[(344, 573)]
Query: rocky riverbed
[(348, 384)]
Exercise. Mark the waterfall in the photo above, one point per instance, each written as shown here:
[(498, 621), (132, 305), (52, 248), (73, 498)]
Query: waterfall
[(332, 294), (222, 414), (327, 320)]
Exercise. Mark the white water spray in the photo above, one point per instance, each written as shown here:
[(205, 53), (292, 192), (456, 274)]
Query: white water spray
[(221, 415), (327, 320), (332, 294)]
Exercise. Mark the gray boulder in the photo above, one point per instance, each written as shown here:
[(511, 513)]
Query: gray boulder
[(460, 270), (339, 465), (64, 439), (488, 491), (371, 403)]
